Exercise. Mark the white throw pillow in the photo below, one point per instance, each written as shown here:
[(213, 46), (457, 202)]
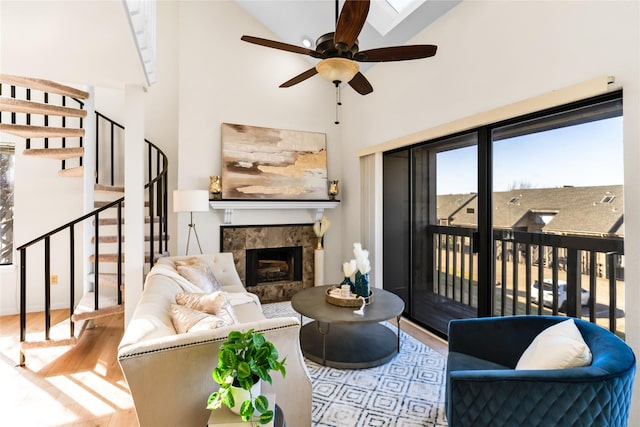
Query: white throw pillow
[(198, 272), (557, 347), (215, 303), (186, 319)]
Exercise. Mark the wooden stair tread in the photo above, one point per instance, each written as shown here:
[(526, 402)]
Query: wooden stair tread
[(107, 306), (59, 335), (21, 106), (44, 85), (111, 257), (114, 238), (55, 153), (26, 131), (77, 172), (52, 342), (114, 221), (101, 203), (104, 188), (106, 279)]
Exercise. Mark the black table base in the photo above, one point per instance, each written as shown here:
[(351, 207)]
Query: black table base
[(348, 346)]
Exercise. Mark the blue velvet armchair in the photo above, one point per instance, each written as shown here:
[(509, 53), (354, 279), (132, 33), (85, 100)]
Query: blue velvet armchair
[(484, 389)]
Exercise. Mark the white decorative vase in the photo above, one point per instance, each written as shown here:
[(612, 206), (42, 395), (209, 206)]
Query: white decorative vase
[(318, 279), (240, 395)]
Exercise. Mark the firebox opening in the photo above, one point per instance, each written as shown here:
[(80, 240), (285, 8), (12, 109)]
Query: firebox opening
[(268, 265)]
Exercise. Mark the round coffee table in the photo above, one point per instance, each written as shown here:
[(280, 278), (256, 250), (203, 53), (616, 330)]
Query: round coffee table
[(342, 339)]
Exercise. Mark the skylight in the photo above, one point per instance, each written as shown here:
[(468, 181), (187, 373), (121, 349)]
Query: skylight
[(608, 198), (385, 15), (399, 5)]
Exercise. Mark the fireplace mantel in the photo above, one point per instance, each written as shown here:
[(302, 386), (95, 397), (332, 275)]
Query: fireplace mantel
[(317, 206)]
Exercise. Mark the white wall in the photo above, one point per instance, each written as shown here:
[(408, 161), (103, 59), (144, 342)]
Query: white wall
[(225, 80), (491, 54)]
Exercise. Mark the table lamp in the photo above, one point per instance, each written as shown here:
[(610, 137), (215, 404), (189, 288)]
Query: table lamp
[(191, 201)]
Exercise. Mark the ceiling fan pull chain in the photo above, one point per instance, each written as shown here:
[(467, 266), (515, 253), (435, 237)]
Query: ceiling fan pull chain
[(338, 103)]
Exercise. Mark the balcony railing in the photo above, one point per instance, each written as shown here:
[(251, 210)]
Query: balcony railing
[(567, 265)]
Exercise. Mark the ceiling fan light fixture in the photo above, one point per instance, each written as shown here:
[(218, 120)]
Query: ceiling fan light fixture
[(337, 69), (307, 42)]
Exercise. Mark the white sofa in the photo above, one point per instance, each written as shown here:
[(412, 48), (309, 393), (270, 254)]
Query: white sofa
[(169, 374)]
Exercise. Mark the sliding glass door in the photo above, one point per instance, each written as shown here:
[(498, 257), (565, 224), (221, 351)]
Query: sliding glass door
[(430, 217), (519, 217)]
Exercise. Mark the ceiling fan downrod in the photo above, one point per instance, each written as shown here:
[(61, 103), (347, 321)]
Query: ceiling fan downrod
[(338, 101)]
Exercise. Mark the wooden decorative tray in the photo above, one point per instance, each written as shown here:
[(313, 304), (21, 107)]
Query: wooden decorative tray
[(352, 301)]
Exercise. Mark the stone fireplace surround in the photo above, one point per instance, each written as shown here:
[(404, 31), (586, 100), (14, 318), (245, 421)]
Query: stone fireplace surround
[(237, 239)]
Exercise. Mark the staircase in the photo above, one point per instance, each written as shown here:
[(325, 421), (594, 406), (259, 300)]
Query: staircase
[(55, 130)]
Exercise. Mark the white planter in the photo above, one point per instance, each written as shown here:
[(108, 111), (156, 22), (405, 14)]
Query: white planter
[(240, 395)]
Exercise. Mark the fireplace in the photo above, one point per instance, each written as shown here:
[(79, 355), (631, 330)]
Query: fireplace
[(270, 265), (273, 261)]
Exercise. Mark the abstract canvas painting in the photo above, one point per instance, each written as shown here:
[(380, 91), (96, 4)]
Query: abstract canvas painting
[(265, 163)]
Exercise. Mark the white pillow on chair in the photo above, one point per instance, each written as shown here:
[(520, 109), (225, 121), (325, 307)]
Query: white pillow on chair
[(557, 347)]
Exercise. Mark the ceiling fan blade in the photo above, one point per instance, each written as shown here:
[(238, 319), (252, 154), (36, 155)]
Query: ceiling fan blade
[(281, 46), (396, 53), (300, 77), (352, 18), (360, 84)]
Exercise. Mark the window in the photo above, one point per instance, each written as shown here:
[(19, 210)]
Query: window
[(7, 165)]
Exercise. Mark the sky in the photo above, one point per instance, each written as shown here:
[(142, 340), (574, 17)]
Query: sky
[(583, 155)]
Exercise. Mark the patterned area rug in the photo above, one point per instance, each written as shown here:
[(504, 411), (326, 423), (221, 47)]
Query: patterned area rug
[(407, 391)]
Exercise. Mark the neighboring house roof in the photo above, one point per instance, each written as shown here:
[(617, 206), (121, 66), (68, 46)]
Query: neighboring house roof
[(596, 210), (450, 204), (467, 217)]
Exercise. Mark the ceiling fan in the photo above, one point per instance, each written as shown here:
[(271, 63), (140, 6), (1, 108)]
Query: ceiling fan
[(339, 52)]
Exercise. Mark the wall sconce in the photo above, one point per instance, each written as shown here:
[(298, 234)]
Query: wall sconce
[(215, 187), (333, 189)]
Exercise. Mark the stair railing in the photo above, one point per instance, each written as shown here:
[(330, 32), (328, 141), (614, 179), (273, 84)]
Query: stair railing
[(157, 189), (46, 98), (156, 170)]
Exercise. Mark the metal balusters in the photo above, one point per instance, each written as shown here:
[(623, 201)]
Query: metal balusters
[(47, 287), (72, 279)]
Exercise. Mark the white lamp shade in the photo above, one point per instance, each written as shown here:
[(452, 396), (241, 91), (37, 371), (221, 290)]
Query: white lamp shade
[(190, 200), (337, 69)]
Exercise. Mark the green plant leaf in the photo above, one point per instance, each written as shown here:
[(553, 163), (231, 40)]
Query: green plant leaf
[(258, 340), (246, 383), (262, 373), (261, 403), (244, 370), (228, 399), (234, 335), (246, 410), (266, 417), (214, 401), (274, 353), (263, 353), (266, 376), (219, 375), (227, 358)]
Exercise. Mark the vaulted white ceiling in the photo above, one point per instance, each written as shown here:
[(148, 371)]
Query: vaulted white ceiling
[(89, 42)]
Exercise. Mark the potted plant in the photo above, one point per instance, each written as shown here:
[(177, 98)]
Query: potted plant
[(244, 360)]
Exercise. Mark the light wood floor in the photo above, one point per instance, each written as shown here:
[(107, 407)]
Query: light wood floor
[(64, 386), (81, 385)]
